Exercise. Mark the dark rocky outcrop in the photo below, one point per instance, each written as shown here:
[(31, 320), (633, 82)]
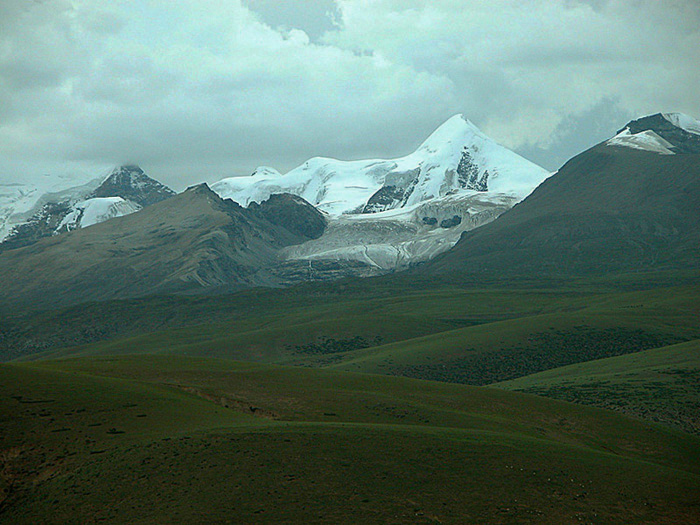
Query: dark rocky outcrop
[(468, 174), (132, 184), (292, 213), (384, 199), (683, 142), (451, 222)]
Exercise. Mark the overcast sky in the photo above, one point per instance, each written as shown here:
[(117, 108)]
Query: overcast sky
[(198, 90)]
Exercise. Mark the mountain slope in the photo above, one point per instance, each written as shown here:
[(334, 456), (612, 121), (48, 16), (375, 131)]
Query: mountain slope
[(189, 241), (126, 189), (613, 207), (386, 215)]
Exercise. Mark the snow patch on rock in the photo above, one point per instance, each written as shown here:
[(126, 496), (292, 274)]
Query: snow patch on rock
[(93, 211), (645, 140)]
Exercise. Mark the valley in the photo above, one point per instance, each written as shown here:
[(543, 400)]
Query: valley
[(278, 357)]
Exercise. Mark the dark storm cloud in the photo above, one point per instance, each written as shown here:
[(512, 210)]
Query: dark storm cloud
[(200, 90)]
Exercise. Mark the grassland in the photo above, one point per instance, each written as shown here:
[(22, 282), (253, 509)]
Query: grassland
[(133, 411), (661, 385), (149, 438), (472, 335)]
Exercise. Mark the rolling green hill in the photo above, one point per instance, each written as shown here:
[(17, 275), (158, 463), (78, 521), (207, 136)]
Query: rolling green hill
[(162, 439), (662, 384)]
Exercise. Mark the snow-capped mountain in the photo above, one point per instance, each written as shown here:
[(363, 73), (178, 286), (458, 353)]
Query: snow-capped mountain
[(22, 197), (388, 214), (456, 157), (662, 133), (30, 216)]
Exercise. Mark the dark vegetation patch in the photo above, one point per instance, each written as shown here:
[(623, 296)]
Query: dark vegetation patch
[(539, 352), (329, 345), (673, 399)]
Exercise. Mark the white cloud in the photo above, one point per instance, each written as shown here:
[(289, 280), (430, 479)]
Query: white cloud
[(198, 90)]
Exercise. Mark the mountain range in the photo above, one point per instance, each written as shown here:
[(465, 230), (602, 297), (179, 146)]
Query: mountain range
[(628, 203)]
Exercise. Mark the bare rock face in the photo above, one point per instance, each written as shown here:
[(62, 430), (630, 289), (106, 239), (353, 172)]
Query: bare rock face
[(468, 173), (292, 213), (131, 183)]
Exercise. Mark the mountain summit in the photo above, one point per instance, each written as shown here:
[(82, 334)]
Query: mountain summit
[(628, 204), (385, 215), (131, 183), (125, 190), (663, 133), (457, 157)]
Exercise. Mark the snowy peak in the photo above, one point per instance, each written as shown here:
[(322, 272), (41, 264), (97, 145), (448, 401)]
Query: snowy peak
[(662, 133), (684, 122), (457, 157), (457, 129), (131, 183), (126, 189)]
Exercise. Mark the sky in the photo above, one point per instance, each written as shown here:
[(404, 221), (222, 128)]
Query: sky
[(199, 90)]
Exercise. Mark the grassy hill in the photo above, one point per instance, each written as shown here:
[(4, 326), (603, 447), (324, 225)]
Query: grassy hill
[(475, 336), (662, 384), (162, 438)]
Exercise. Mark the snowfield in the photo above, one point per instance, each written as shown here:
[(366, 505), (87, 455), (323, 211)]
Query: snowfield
[(645, 140), (93, 211), (683, 121)]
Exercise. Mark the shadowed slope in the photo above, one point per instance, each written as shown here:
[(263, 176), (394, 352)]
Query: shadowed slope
[(609, 208), (187, 242)]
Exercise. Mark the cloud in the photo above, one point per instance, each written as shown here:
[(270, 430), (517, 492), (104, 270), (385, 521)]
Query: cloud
[(200, 90), (524, 68)]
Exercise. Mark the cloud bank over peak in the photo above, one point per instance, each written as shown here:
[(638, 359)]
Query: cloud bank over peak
[(200, 90)]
